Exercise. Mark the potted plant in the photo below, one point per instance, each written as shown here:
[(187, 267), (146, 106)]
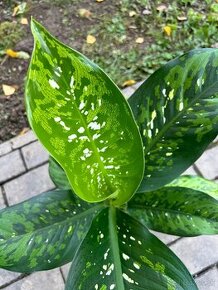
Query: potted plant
[(117, 168)]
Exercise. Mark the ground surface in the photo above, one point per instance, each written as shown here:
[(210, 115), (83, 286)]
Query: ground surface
[(131, 39)]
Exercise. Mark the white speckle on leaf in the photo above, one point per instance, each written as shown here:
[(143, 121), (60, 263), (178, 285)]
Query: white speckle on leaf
[(57, 119), (71, 82), (94, 126), (53, 84), (81, 130), (127, 278)]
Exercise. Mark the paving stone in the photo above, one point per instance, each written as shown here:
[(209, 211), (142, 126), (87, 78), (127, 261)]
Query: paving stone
[(197, 252), (65, 270), (166, 239), (127, 92), (22, 140), (11, 165), (138, 84), (34, 154), (2, 203), (190, 171), (208, 163), (5, 148), (40, 281), (7, 276), (208, 281), (28, 185)]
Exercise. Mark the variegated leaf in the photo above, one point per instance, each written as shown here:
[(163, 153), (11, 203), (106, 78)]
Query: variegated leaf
[(197, 183), (177, 113), (83, 120), (120, 253), (177, 211), (43, 232), (58, 175)]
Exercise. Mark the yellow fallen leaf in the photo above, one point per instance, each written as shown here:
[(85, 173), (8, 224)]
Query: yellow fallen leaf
[(181, 18), (19, 9), (24, 21), (139, 40), (8, 90), (17, 54), (128, 83), (90, 39), (84, 13), (132, 13), (23, 131), (167, 30), (99, 1)]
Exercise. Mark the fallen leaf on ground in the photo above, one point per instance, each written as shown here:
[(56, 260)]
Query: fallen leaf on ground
[(90, 39), (167, 30), (24, 21), (162, 8), (23, 131), (132, 13), (99, 1), (17, 54), (84, 13), (139, 40), (128, 83), (8, 90), (146, 12), (19, 9), (181, 18)]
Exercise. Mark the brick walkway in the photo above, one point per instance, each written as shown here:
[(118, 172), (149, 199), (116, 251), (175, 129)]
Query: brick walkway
[(24, 173)]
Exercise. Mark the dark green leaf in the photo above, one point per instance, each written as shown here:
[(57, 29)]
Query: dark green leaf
[(197, 183), (83, 120), (57, 174), (176, 210), (120, 253), (177, 113), (43, 232)]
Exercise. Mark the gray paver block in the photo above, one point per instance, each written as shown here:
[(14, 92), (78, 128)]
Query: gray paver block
[(208, 281), (34, 154), (164, 237), (11, 165), (40, 281), (5, 148), (138, 84), (65, 270), (208, 163), (22, 140), (2, 204), (7, 276), (127, 92), (197, 252), (28, 185), (190, 171)]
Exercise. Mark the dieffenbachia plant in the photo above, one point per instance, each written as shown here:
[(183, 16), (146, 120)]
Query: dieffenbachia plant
[(116, 165)]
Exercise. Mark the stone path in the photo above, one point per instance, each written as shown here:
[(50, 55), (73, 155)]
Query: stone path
[(24, 173)]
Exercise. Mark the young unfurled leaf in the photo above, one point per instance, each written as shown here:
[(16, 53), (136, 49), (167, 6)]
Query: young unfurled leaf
[(129, 257), (83, 120), (57, 174), (177, 113), (177, 211), (43, 232)]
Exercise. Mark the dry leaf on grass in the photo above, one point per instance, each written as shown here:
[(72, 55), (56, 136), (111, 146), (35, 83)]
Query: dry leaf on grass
[(24, 21), (128, 83), (162, 8), (90, 39), (132, 13), (99, 1), (167, 30), (84, 13), (17, 54), (23, 131), (139, 40), (19, 9), (8, 90), (181, 18)]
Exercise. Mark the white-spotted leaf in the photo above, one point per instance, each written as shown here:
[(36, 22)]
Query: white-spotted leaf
[(83, 120)]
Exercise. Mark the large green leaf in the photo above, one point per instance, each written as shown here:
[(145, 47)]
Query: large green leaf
[(176, 210), (83, 120), (177, 113), (120, 253), (197, 183), (43, 232), (58, 175)]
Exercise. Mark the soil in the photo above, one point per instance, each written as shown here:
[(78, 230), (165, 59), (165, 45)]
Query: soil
[(60, 18)]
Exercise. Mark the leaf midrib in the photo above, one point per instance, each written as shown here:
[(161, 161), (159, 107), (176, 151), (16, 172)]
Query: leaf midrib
[(168, 125), (78, 216), (115, 248)]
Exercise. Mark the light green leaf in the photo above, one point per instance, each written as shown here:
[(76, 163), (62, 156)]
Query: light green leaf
[(197, 183), (177, 113), (57, 174), (120, 253), (43, 232), (177, 211), (83, 120)]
